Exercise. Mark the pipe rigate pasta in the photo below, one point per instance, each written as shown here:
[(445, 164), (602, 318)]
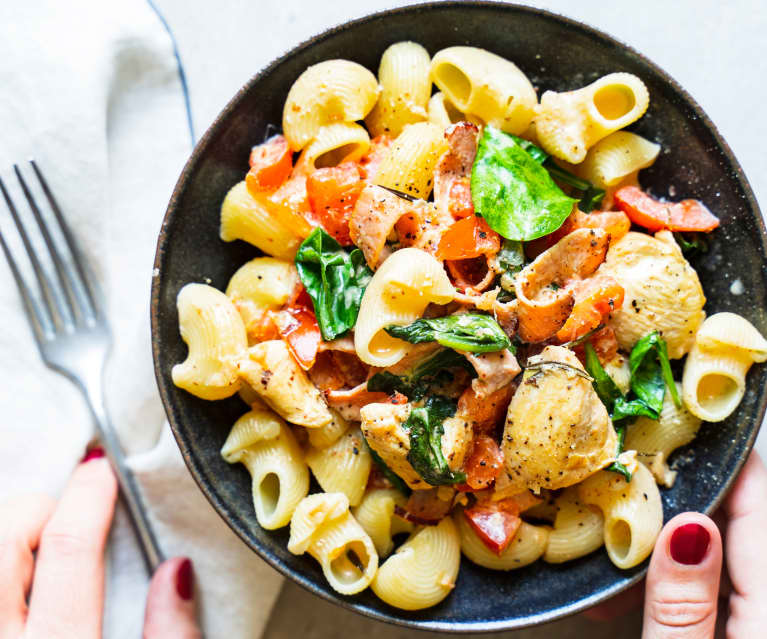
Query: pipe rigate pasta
[(481, 83), (333, 144), (376, 516), (327, 92), (328, 434), (409, 165), (632, 510), (274, 374), (323, 526), (402, 287), (403, 74), (213, 330), (655, 440), (714, 379), (617, 156), (245, 218), (265, 445), (528, 545), (569, 124), (578, 529), (423, 570), (342, 467)]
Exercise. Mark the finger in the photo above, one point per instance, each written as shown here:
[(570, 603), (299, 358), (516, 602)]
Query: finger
[(683, 580), (170, 609), (746, 508), (21, 523), (619, 605), (68, 590)]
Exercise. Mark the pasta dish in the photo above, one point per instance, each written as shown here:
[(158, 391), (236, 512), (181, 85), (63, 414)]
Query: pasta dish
[(465, 320)]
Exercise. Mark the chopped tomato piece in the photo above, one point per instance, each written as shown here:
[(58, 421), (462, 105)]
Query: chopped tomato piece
[(270, 165), (299, 297), (595, 298), (472, 273), (332, 194), (484, 464), (488, 411), (687, 215), (616, 223), (298, 327), (467, 238), (495, 523), (289, 205), (425, 507), (523, 501), (459, 202), (379, 149), (264, 329)]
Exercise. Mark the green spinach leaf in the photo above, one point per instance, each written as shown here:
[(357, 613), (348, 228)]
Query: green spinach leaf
[(466, 332), (692, 243), (425, 376), (425, 428), (651, 371), (616, 466), (513, 192), (335, 280)]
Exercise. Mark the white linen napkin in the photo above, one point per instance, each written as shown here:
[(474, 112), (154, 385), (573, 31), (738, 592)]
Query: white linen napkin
[(91, 90)]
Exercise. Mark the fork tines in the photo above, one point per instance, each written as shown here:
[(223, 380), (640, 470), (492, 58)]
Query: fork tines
[(66, 298)]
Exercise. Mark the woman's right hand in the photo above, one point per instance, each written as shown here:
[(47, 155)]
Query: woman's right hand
[(682, 587)]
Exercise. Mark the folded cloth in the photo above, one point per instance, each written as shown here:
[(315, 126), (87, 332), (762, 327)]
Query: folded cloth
[(91, 90)]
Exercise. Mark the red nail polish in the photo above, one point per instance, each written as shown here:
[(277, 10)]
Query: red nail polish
[(185, 580), (689, 544), (93, 453)]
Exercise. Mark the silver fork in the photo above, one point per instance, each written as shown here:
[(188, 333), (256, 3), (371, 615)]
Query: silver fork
[(73, 336)]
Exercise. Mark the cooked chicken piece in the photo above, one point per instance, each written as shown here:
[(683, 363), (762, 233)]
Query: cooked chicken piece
[(494, 370), (382, 426), (662, 292), (275, 375), (557, 430)]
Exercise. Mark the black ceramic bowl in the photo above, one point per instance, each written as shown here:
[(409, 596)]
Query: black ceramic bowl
[(555, 53)]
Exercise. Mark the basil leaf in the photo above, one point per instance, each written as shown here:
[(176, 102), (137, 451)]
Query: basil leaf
[(335, 280), (394, 479), (425, 428), (651, 371), (513, 192), (466, 332)]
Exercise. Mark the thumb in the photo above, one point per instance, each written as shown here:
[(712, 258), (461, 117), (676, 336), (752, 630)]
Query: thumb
[(170, 610), (683, 580)]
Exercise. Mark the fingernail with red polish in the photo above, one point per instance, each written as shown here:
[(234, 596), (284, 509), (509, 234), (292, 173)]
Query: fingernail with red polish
[(185, 580), (689, 544), (93, 453)]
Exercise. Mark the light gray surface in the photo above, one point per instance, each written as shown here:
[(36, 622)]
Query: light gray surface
[(716, 50)]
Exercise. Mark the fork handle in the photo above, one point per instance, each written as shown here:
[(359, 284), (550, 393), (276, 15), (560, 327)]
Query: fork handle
[(150, 549)]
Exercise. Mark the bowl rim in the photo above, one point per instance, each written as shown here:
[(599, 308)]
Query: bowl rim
[(223, 509)]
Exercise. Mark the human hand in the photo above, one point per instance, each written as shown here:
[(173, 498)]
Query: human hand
[(683, 581), (52, 556)]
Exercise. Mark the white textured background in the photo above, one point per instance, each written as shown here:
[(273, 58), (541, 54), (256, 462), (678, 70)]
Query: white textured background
[(716, 50)]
